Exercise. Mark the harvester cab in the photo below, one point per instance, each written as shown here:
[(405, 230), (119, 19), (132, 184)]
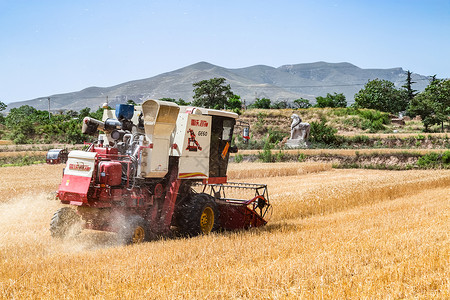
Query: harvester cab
[(155, 170)]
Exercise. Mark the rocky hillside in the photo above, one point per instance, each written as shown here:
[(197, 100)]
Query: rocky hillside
[(285, 83)]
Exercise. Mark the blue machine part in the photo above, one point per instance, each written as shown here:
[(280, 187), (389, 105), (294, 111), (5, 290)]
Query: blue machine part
[(124, 111)]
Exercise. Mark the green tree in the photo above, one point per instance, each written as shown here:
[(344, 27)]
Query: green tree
[(263, 103), (433, 104), (302, 103), (234, 104), (21, 122), (182, 102), (212, 93), (2, 106), (336, 100), (20, 114), (381, 95), (179, 101), (84, 113), (410, 92), (280, 105)]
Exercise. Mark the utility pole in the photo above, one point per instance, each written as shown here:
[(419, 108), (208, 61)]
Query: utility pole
[(48, 107)]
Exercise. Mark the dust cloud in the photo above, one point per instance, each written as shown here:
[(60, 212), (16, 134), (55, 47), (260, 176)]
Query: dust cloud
[(24, 229)]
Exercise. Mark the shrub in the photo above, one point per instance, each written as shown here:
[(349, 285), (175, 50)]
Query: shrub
[(301, 157), (279, 156), (446, 157), (430, 160), (266, 155), (322, 133), (276, 136), (238, 158)]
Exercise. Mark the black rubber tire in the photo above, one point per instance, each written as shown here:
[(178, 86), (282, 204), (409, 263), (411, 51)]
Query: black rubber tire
[(134, 231), (198, 215), (65, 223)]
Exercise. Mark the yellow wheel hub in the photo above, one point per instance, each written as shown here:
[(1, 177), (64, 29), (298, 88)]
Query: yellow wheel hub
[(207, 220), (138, 235)]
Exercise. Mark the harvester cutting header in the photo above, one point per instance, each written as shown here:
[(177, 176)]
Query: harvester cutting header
[(155, 170)]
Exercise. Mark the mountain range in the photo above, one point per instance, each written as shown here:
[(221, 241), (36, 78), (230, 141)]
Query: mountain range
[(285, 83)]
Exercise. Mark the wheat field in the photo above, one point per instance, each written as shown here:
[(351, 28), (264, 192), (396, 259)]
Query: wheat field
[(334, 234), (344, 152)]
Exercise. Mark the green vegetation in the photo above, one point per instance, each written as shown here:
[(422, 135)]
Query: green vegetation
[(266, 154), (27, 125), (212, 93), (371, 113), (433, 104), (434, 160), (179, 101), (336, 100), (238, 158), (21, 160), (262, 103), (302, 103), (381, 95), (321, 133)]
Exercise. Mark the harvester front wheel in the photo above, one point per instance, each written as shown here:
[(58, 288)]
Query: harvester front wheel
[(65, 223), (135, 231), (199, 215)]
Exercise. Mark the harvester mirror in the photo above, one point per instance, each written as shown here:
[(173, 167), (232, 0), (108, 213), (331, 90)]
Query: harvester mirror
[(246, 134), (245, 130)]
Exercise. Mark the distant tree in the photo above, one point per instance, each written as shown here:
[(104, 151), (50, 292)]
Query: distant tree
[(182, 102), (381, 95), (131, 102), (21, 122), (84, 113), (234, 104), (212, 93), (433, 78), (168, 99), (2, 106), (433, 104), (179, 101), (71, 113), (280, 105), (336, 100), (263, 103), (410, 92), (21, 114), (302, 103), (98, 114)]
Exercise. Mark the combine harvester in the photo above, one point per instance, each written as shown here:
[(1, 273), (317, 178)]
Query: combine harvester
[(156, 170)]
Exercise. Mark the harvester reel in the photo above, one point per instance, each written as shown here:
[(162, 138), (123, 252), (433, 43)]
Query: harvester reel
[(65, 223), (199, 215)]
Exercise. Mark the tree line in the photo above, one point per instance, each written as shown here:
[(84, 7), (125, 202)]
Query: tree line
[(24, 123)]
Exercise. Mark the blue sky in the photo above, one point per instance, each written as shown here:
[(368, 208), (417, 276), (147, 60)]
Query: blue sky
[(50, 47)]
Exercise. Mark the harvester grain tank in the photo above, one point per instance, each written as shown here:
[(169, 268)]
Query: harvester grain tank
[(156, 170)]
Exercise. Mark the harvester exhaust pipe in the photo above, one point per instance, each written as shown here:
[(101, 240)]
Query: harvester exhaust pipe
[(91, 125)]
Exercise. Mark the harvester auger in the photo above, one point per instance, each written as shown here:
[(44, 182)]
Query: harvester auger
[(156, 170)]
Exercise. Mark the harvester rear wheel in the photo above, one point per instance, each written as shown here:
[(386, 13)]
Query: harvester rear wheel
[(65, 223), (199, 215), (135, 231)]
